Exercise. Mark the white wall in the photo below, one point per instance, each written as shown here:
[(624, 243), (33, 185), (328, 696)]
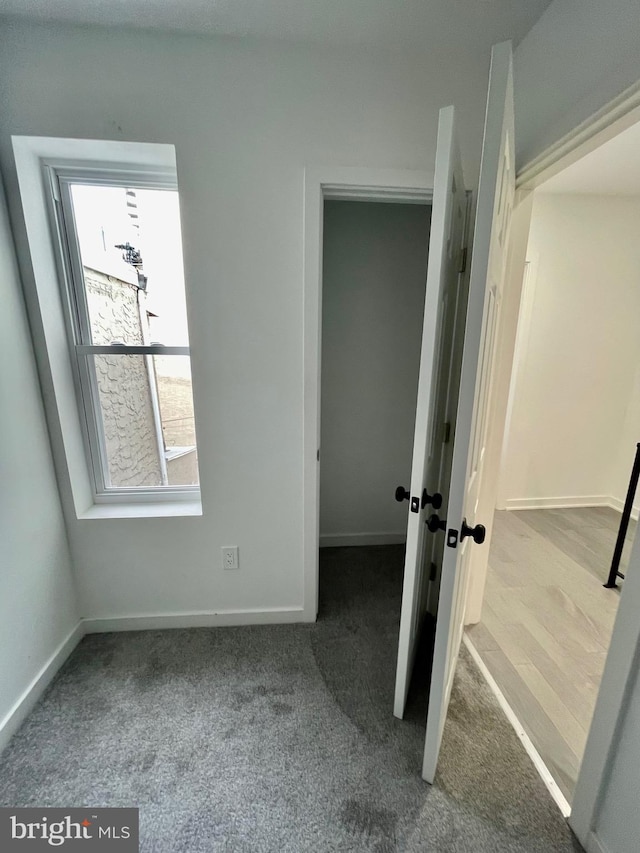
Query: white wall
[(374, 273), (245, 117), (574, 422), (629, 437), (38, 608), (579, 56)]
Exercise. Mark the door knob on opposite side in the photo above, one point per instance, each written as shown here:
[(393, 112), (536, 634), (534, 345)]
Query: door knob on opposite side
[(435, 499), (435, 523), (402, 494), (477, 533)]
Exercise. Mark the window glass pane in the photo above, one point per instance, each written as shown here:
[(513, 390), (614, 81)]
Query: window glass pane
[(131, 253), (173, 376), (146, 409)]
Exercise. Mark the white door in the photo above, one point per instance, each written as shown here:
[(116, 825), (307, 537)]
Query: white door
[(464, 529), (437, 364)]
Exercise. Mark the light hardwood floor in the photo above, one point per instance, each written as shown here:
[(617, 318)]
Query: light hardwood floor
[(547, 621)]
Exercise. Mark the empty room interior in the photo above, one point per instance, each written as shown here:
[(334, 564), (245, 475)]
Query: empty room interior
[(572, 434), (313, 315)]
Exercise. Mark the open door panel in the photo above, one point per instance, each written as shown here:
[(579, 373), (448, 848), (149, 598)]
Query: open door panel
[(458, 523)]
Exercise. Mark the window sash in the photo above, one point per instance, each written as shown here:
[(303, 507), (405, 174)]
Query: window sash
[(130, 349), (78, 322)]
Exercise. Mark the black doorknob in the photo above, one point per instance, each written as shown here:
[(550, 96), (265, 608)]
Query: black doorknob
[(402, 494), (435, 523), (435, 499), (477, 533)]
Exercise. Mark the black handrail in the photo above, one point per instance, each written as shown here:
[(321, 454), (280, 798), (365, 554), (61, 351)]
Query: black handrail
[(614, 572)]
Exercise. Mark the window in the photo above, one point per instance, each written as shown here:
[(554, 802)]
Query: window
[(120, 257)]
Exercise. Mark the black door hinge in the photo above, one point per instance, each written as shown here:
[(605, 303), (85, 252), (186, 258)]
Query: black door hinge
[(446, 436), (463, 260), (433, 572)]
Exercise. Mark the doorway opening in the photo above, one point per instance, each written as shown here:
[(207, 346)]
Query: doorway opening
[(373, 288), (572, 427), (374, 272), (383, 189)]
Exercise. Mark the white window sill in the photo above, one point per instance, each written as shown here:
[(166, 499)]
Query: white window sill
[(162, 509)]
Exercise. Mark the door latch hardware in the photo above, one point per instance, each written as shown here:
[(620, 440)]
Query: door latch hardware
[(417, 504), (402, 494), (435, 523), (477, 533), (435, 499), (452, 538)]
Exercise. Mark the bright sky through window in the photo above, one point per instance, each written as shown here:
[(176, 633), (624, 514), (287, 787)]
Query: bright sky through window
[(103, 221)]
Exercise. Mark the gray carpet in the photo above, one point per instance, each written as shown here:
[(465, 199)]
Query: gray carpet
[(281, 738)]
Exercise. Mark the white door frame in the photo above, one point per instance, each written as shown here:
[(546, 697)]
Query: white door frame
[(320, 183), (624, 650), (608, 122)]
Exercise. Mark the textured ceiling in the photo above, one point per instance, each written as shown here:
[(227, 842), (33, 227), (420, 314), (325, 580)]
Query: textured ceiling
[(425, 25), (612, 169)]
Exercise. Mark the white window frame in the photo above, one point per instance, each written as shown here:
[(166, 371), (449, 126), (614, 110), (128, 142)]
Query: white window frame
[(59, 176)]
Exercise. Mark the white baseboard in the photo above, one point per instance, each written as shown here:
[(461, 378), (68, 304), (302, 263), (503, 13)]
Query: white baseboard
[(205, 619), (616, 503), (341, 540), (25, 703), (568, 502), (557, 502), (525, 740)]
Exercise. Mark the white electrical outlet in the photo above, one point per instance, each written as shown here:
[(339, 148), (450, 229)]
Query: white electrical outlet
[(230, 557)]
